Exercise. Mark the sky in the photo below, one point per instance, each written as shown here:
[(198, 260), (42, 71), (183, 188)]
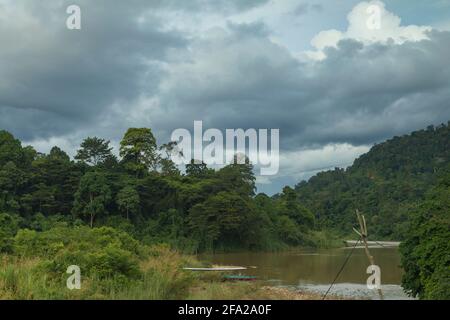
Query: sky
[(312, 69)]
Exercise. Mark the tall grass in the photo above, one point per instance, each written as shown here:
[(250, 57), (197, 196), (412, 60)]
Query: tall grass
[(162, 277)]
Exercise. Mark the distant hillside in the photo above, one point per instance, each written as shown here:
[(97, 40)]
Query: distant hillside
[(385, 183)]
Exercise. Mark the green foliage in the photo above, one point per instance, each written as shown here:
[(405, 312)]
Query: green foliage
[(138, 150), (384, 183), (167, 166), (44, 197), (94, 151), (128, 200), (11, 150), (103, 252), (288, 231), (220, 221), (238, 177), (9, 226), (425, 251), (92, 196), (109, 270), (289, 206), (197, 169), (53, 181), (204, 209), (11, 179)]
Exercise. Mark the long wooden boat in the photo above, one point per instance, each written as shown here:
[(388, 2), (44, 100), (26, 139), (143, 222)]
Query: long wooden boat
[(217, 269), (374, 244), (233, 277)]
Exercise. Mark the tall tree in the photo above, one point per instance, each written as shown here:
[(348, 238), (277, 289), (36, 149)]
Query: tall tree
[(239, 177), (289, 205), (425, 251), (197, 169), (221, 220), (11, 151), (59, 173), (94, 151), (41, 200), (128, 200), (93, 196), (139, 151), (11, 179), (166, 164)]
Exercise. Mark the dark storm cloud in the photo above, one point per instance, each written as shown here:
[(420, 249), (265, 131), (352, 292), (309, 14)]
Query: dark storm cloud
[(126, 68), (360, 94), (55, 80)]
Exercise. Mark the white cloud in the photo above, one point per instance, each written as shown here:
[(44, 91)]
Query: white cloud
[(368, 22), (298, 165), (328, 156), (69, 145)]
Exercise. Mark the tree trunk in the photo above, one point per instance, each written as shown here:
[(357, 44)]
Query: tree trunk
[(92, 214)]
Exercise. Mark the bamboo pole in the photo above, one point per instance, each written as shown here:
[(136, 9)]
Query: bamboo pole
[(363, 234)]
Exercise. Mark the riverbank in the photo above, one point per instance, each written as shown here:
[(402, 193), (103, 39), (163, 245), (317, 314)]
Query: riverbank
[(252, 291), (26, 279), (113, 265), (211, 286)]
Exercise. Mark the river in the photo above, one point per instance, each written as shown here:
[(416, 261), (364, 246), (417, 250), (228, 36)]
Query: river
[(315, 270)]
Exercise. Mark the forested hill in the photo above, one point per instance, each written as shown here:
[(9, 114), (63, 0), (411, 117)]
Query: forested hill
[(143, 193), (385, 183)]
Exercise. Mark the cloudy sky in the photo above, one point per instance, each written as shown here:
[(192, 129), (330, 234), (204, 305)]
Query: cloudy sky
[(313, 69)]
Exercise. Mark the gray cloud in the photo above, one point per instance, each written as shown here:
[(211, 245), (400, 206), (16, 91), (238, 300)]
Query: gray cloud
[(360, 94), (56, 80), (126, 68)]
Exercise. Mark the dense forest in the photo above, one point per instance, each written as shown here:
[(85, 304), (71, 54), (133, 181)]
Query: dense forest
[(426, 249), (385, 184), (107, 213), (145, 194), (403, 188)]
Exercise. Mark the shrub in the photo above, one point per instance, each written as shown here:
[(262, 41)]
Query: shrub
[(425, 251), (9, 225), (101, 252)]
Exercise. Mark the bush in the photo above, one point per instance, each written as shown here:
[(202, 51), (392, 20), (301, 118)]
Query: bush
[(159, 275), (425, 251), (100, 252), (9, 225), (39, 222)]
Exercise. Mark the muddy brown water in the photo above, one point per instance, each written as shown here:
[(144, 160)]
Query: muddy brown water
[(314, 270)]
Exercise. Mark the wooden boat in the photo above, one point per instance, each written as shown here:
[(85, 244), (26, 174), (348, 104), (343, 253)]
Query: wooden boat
[(217, 269), (374, 244), (233, 277)]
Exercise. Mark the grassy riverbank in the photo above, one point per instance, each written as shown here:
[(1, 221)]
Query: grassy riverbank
[(113, 266), (24, 279), (157, 277), (161, 277)]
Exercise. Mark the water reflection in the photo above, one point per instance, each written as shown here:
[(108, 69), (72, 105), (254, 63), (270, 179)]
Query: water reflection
[(316, 269)]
